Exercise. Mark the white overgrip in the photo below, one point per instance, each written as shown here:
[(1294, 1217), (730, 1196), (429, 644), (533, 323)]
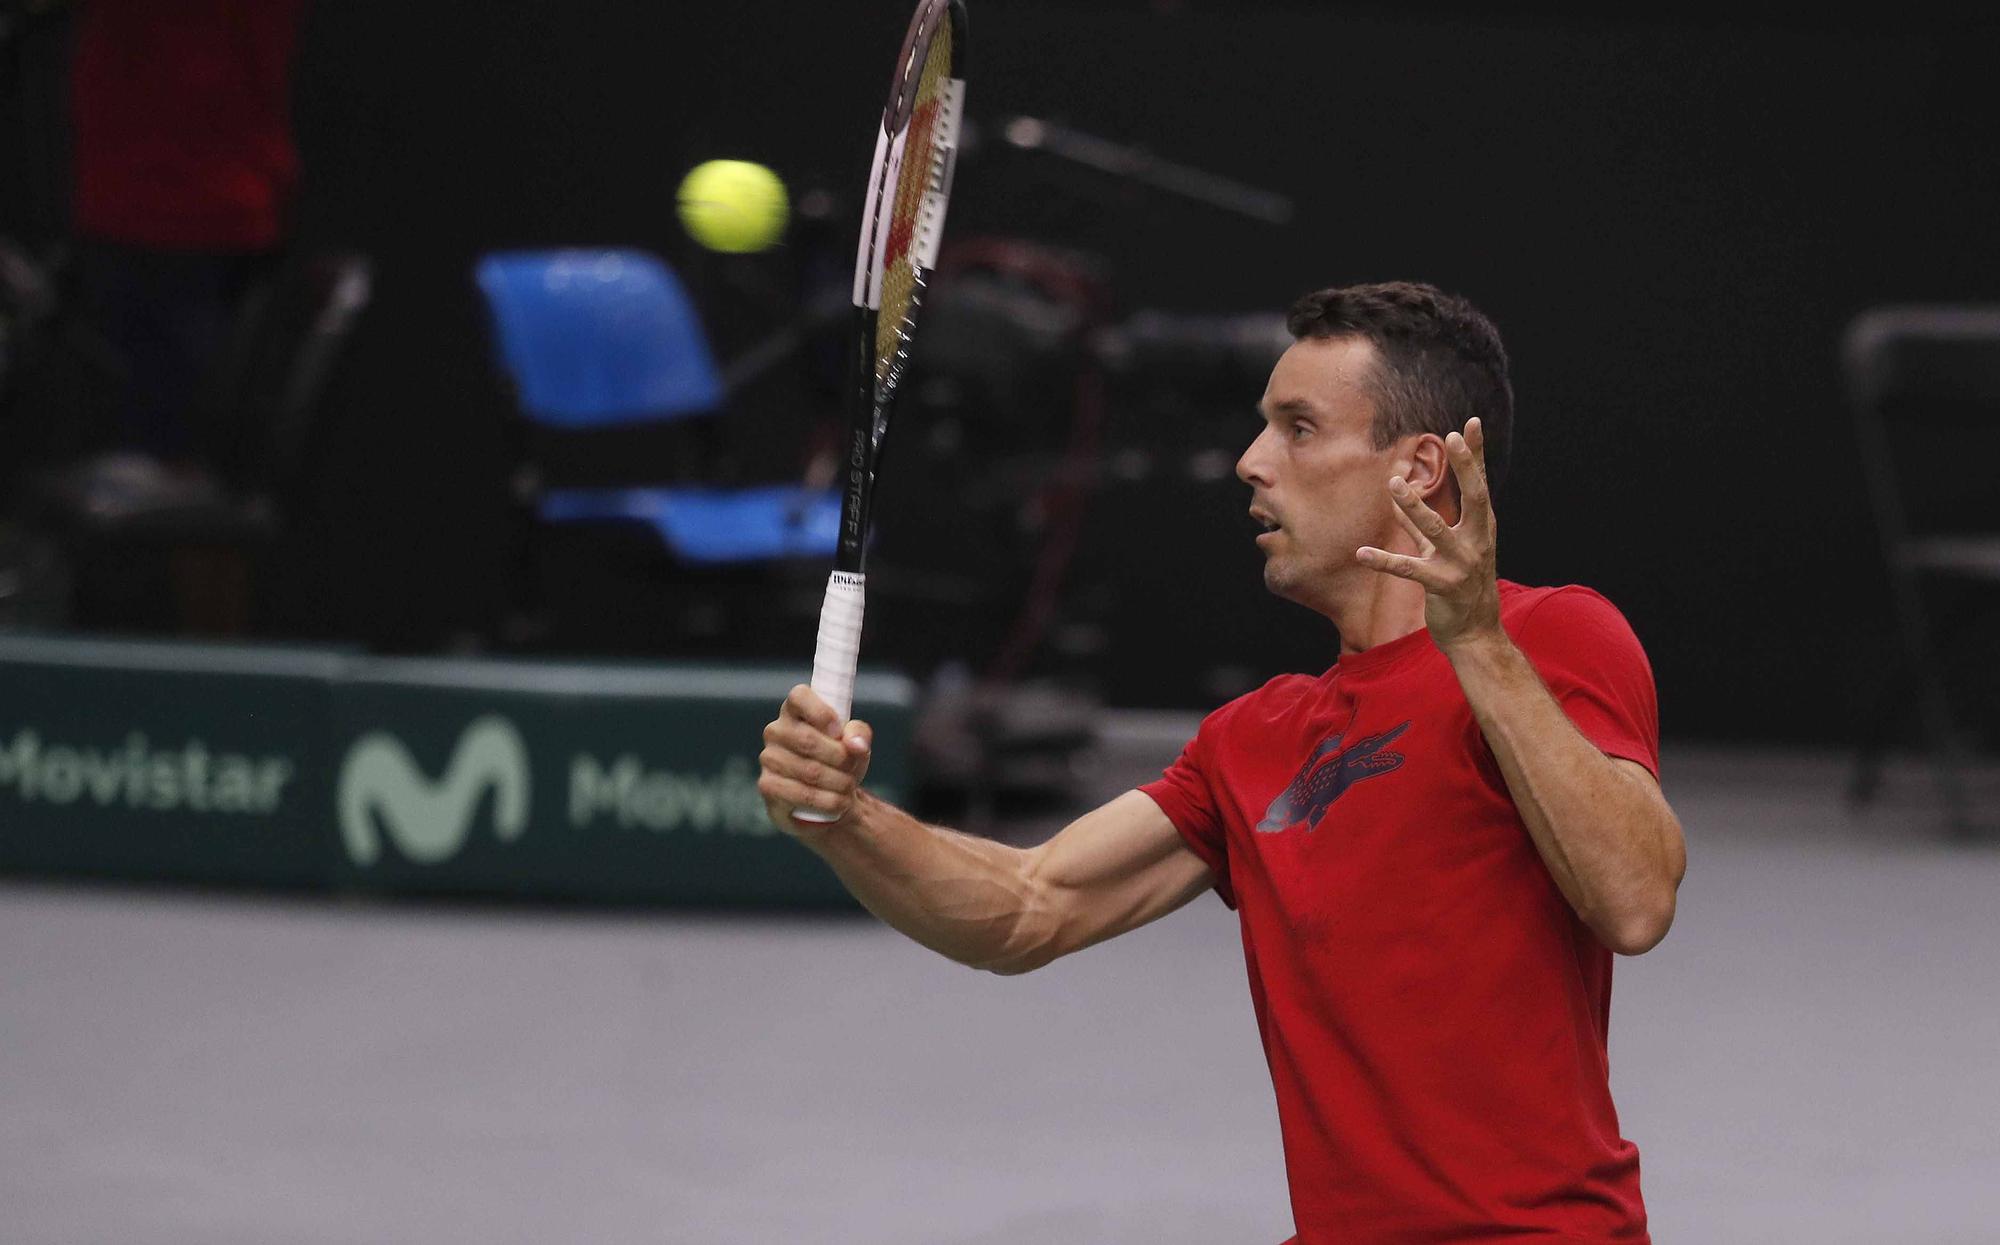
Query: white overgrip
[(838, 653)]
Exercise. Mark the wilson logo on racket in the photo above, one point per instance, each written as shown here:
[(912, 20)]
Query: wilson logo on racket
[(1327, 775), (429, 822)]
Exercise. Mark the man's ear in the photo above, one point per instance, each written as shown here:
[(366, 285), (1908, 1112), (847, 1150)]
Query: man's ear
[(1430, 470)]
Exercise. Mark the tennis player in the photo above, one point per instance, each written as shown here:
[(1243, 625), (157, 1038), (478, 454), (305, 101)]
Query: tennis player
[(1433, 848)]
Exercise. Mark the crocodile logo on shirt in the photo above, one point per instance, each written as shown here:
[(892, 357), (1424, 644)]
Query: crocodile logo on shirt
[(1326, 775)]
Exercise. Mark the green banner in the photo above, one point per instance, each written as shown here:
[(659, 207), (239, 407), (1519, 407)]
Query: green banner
[(184, 762), (597, 782), (612, 783)]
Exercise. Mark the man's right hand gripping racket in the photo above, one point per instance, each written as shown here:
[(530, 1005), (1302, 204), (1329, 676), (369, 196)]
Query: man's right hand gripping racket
[(902, 222)]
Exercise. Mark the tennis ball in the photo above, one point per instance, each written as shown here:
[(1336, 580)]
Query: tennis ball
[(733, 206)]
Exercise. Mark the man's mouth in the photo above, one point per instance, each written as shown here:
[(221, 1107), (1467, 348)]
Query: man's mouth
[(1265, 520)]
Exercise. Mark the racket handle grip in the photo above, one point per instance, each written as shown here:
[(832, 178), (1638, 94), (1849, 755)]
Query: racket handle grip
[(838, 653)]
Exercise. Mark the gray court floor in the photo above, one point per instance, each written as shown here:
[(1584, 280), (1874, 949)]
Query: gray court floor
[(1812, 1056)]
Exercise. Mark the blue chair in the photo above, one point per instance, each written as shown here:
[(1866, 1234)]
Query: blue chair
[(603, 338)]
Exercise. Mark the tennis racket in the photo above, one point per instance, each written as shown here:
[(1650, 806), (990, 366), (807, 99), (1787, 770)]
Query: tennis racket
[(902, 222)]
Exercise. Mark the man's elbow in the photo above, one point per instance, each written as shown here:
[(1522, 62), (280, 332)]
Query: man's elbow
[(1015, 965), (1646, 913), (1022, 956), (1034, 936), (1639, 928)]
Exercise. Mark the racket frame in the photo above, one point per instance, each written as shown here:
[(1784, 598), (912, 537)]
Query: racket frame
[(875, 380)]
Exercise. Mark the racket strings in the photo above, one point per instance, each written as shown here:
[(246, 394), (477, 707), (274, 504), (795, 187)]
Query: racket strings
[(920, 170)]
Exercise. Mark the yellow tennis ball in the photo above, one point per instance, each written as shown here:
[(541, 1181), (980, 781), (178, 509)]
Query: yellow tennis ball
[(733, 206)]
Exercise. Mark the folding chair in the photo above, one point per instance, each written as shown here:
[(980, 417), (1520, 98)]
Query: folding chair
[(609, 338), (1934, 369), (151, 550)]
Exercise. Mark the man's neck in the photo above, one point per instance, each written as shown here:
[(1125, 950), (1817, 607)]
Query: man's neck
[(1378, 609)]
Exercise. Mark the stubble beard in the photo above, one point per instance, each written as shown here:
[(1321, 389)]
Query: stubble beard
[(1276, 581), (1295, 578), (1286, 577)]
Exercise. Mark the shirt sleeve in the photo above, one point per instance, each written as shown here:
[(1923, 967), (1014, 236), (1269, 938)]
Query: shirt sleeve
[(1593, 665), (1186, 796)]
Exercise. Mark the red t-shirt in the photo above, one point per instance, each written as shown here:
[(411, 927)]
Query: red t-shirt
[(1433, 1011)]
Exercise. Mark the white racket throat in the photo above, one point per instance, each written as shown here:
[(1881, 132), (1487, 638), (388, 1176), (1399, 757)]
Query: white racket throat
[(837, 655)]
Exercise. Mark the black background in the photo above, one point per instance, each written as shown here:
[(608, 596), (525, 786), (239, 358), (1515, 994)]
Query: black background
[(1671, 215)]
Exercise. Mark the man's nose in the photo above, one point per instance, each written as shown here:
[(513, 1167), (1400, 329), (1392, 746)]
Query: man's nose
[(1251, 467)]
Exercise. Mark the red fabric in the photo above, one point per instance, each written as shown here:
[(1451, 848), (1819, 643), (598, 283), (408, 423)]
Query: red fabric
[(182, 122), (1433, 1012)]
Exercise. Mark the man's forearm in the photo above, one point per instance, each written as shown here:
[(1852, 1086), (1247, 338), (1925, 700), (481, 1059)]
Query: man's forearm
[(971, 899), (1608, 838)]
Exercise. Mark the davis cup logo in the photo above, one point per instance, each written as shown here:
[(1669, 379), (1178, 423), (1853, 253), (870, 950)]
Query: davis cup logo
[(382, 786)]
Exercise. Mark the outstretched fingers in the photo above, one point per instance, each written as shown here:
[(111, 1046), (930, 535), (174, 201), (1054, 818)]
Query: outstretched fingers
[(1425, 548), (1467, 454), (1401, 565), (1446, 553), (1428, 522)]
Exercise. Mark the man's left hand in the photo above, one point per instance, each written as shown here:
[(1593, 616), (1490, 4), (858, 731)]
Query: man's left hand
[(1455, 563)]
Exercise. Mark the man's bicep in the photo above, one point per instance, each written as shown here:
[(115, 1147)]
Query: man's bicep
[(1116, 868), (1591, 661)]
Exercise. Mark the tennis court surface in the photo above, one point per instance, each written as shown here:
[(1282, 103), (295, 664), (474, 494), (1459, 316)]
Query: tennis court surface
[(1813, 1055)]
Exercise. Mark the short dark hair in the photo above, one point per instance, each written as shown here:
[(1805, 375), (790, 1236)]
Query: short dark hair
[(1441, 361)]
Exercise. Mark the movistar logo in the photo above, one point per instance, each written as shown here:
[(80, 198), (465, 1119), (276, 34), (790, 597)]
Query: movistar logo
[(631, 795), (381, 784), (142, 775)]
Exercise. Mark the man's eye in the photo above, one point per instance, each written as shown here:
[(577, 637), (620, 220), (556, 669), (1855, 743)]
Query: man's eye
[(1299, 431)]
